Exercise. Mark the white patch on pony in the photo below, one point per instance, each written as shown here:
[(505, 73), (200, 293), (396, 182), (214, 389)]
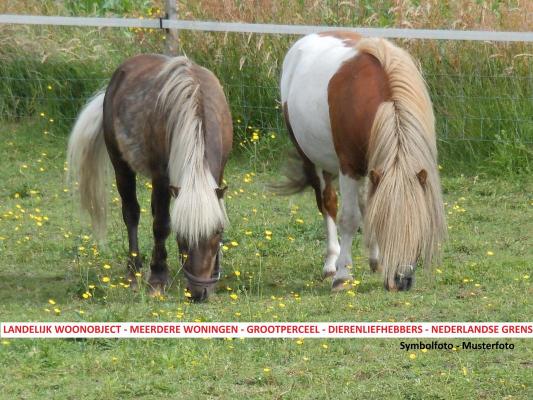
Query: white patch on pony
[(196, 213), (331, 234), (307, 69), (333, 245)]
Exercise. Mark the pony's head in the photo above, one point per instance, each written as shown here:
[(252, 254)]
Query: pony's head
[(404, 219), (201, 256), (201, 265)]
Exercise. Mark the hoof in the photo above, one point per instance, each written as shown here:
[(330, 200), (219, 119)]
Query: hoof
[(134, 264), (134, 285), (156, 289), (157, 284), (327, 273), (373, 265), (154, 293), (341, 284), (134, 280)]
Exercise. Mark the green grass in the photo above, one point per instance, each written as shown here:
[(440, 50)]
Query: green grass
[(279, 281)]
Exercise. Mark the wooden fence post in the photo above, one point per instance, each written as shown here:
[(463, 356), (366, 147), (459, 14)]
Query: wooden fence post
[(172, 38)]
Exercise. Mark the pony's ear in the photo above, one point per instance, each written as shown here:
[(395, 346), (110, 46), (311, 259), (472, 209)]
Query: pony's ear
[(422, 177), (174, 191), (375, 177), (220, 192)]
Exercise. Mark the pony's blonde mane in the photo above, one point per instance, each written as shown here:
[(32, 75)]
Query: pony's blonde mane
[(196, 213), (404, 217)]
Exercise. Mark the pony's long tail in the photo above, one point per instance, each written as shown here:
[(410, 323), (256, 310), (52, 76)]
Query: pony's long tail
[(197, 212), (296, 178), (88, 162)]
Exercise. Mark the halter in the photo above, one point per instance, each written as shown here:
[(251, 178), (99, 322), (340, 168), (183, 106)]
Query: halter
[(197, 281)]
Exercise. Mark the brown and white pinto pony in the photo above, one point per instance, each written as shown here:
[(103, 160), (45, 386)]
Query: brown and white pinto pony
[(168, 119), (357, 107)]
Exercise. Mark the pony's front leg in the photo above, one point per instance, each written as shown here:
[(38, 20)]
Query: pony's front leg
[(326, 199), (161, 229), (373, 258), (131, 212), (349, 223)]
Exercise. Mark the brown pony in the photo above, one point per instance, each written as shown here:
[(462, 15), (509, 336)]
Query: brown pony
[(357, 107), (168, 119)]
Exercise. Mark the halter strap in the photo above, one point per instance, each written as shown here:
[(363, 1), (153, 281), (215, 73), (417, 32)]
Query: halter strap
[(197, 281)]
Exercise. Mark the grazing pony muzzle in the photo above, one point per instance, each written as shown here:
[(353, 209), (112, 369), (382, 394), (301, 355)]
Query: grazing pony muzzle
[(201, 266), (200, 287), (403, 279)]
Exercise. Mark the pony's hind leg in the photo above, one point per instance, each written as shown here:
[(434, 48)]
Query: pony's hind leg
[(126, 186), (161, 229), (350, 219), (326, 199)]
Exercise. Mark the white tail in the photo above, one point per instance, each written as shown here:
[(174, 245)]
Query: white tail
[(88, 162), (196, 212)]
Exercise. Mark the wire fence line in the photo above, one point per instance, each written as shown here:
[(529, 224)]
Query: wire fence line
[(480, 107), (449, 127)]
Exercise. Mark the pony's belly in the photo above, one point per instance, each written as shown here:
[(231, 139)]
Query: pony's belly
[(132, 148), (307, 70), (313, 134)]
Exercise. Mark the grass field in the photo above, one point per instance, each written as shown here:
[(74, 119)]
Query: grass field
[(48, 256)]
